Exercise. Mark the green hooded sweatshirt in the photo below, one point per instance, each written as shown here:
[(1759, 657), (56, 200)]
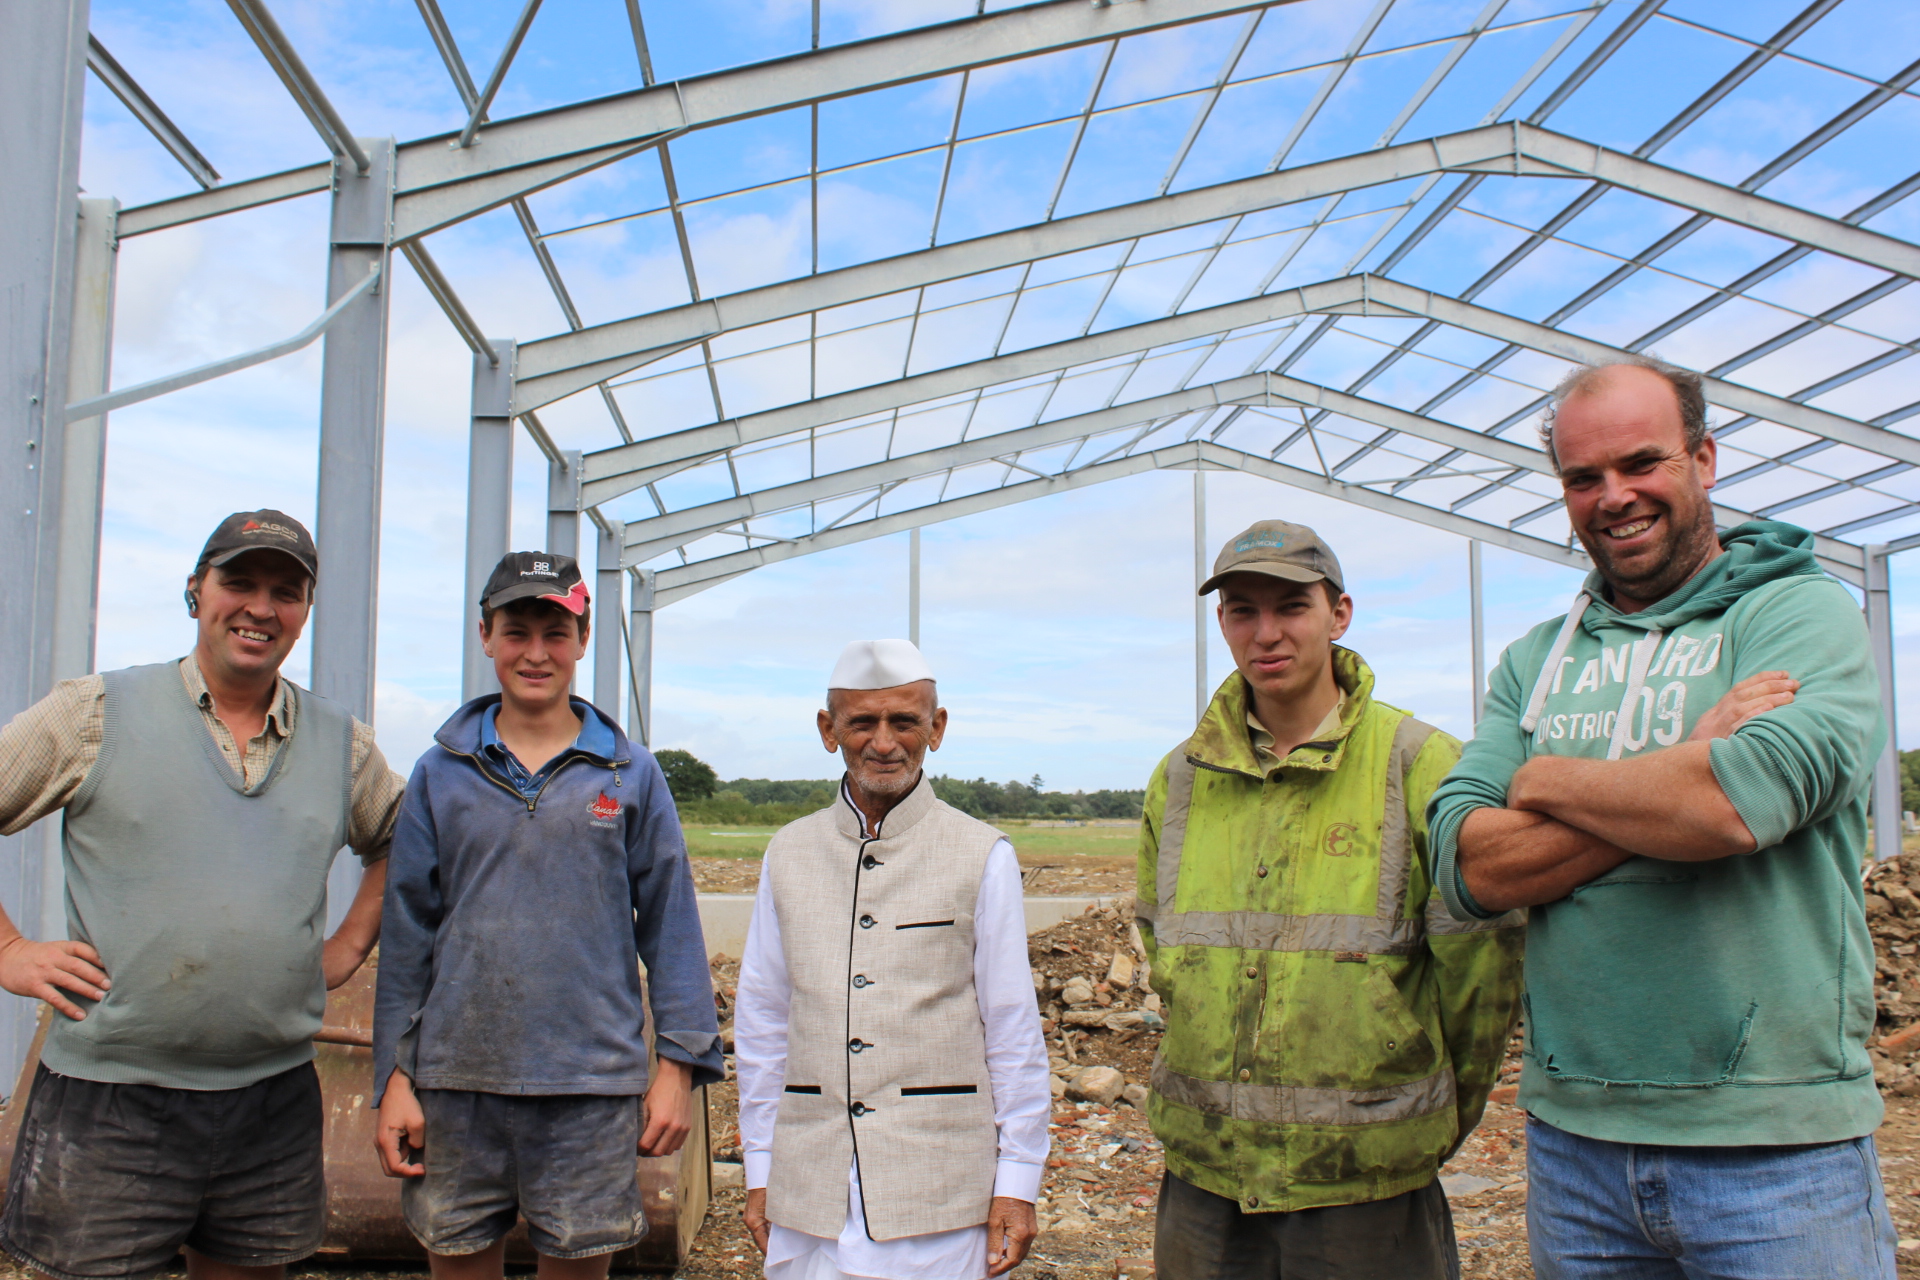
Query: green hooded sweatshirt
[(1721, 1003)]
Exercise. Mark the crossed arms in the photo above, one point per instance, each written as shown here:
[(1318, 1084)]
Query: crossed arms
[(1569, 821)]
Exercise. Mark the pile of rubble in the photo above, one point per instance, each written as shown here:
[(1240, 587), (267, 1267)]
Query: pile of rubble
[(1893, 915), (1100, 1020), (1102, 1025)]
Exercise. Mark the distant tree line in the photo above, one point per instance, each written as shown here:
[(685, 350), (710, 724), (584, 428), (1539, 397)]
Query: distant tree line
[(703, 797), (985, 799)]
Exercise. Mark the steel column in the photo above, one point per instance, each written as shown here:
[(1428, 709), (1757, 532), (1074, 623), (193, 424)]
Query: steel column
[(353, 392), (353, 409), (43, 67), (1886, 773), (489, 504), (913, 587), (640, 660), (1200, 690), (609, 606), (1478, 626), (563, 504), (83, 472)]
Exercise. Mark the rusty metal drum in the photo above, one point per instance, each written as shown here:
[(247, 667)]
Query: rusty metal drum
[(363, 1204)]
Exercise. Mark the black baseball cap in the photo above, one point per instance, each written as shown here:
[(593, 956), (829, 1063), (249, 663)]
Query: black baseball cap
[(536, 575), (263, 530)]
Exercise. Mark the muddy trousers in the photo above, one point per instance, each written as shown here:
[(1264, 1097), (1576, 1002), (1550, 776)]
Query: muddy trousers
[(1201, 1236)]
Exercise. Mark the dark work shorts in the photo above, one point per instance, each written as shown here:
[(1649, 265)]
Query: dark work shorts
[(1201, 1236), (565, 1163), (109, 1180)]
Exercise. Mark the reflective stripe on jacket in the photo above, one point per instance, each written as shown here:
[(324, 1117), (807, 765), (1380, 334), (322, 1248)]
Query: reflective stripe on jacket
[(1332, 1032)]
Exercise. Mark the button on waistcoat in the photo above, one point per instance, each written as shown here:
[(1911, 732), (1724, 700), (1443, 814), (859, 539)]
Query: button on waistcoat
[(886, 1058)]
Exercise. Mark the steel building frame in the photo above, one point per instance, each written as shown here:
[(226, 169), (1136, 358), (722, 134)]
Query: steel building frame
[(1216, 380)]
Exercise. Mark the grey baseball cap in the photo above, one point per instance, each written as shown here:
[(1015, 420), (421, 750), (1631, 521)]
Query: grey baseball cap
[(1279, 550)]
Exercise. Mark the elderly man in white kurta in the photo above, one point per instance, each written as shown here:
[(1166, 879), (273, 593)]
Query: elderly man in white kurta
[(886, 1022)]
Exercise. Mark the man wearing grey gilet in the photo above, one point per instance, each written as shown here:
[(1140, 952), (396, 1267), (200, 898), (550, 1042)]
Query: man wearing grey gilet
[(893, 1083), (175, 1105)]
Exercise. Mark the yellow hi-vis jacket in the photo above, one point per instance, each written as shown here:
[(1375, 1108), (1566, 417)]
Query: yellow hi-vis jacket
[(1332, 1032)]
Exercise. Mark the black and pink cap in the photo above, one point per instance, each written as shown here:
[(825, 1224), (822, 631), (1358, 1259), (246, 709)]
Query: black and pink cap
[(536, 575), (263, 530)]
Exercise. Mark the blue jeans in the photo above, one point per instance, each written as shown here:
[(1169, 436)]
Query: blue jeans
[(1613, 1211)]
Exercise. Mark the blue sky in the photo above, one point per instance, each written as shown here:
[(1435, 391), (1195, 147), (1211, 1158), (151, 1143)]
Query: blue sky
[(1062, 629)]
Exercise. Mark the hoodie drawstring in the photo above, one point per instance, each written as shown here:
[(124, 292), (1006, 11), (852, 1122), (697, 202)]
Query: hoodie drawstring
[(1544, 684), (1636, 685)]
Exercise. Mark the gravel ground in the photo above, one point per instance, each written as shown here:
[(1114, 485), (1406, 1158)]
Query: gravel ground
[(1103, 1177), (1491, 1224)]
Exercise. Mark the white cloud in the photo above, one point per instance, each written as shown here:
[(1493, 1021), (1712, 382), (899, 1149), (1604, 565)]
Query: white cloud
[(1063, 630)]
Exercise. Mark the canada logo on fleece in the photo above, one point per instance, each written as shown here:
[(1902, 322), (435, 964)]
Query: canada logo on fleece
[(604, 808)]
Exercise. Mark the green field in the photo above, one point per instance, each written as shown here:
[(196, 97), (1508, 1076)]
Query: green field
[(708, 841)]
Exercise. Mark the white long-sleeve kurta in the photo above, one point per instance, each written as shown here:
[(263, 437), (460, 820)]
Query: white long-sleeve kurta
[(1016, 1066)]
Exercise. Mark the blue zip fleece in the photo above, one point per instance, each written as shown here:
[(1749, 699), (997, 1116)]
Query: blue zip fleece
[(512, 925)]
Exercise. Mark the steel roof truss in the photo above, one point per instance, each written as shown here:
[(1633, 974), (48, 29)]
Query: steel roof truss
[(558, 366), (680, 581), (610, 472), (647, 538)]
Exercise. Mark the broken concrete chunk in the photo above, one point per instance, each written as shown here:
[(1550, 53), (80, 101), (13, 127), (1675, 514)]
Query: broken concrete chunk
[(1465, 1184), (1078, 991), (1099, 1085), (1137, 1095), (1120, 971)]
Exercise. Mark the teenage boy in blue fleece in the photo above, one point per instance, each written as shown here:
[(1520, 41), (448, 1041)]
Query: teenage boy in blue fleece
[(537, 854)]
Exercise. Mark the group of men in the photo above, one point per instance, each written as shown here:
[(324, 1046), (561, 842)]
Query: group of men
[(1649, 852)]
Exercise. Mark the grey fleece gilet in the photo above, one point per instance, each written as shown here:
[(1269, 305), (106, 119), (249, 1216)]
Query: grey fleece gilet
[(206, 899)]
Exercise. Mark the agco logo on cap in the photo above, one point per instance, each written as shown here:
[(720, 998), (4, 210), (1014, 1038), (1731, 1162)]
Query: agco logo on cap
[(604, 808), (279, 530)]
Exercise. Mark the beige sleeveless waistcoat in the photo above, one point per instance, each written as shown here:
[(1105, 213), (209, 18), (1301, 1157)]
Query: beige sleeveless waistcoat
[(886, 1059)]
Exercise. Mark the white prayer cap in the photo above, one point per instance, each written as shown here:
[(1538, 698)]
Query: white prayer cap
[(878, 664)]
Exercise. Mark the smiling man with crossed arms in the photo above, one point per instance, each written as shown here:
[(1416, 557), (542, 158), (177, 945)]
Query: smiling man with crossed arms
[(1674, 777), (886, 1024)]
